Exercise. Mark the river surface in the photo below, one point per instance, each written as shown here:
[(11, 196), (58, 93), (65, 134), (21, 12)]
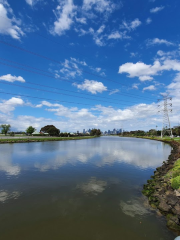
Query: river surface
[(80, 190)]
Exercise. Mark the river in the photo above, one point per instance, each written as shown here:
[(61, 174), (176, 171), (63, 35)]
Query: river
[(80, 190)]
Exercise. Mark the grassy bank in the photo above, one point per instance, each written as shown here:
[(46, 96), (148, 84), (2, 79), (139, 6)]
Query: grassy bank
[(164, 139), (42, 139)]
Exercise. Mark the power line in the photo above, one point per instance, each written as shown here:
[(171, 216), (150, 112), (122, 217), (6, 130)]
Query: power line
[(53, 60), (51, 76), (57, 101), (49, 99), (57, 92)]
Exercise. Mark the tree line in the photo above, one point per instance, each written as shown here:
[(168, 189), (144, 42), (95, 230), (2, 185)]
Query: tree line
[(151, 132), (50, 130)]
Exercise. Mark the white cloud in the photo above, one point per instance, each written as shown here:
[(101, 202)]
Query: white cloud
[(139, 69), (7, 106), (148, 20), (131, 25), (133, 54), (81, 20), (65, 13), (157, 41), (115, 35), (9, 25), (78, 61), (156, 9), (32, 2), (145, 78), (114, 91), (169, 54), (150, 88), (98, 37), (10, 78), (102, 6), (118, 35), (98, 69), (91, 86), (70, 68), (145, 72), (135, 86)]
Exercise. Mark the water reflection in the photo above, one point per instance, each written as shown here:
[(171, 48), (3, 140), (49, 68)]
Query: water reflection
[(93, 186), (133, 207), (79, 189), (99, 152), (6, 161), (5, 195)]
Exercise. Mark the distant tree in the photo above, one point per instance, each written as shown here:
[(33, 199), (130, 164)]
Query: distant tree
[(176, 131), (95, 132), (30, 130), (5, 128), (11, 134), (52, 130), (158, 133)]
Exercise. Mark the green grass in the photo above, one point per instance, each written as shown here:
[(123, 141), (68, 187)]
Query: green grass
[(174, 175), (175, 182), (43, 139)]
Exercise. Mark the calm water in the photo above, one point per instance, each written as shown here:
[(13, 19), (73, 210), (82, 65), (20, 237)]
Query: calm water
[(84, 190)]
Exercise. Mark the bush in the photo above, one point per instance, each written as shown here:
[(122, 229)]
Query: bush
[(176, 173), (175, 183), (11, 134)]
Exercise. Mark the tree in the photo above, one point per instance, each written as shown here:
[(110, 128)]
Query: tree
[(96, 132), (30, 130), (52, 130), (5, 128)]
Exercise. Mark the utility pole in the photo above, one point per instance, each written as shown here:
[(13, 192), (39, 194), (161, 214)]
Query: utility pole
[(167, 107), (156, 130)]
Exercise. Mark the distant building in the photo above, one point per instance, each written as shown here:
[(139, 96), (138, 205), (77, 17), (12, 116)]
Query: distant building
[(84, 131)]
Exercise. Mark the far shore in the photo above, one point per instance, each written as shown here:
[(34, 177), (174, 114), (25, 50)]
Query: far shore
[(27, 139)]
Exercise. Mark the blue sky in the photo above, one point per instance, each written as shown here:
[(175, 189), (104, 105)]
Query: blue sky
[(90, 63)]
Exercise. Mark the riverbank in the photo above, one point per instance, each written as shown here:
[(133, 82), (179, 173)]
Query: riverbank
[(41, 139), (163, 189)]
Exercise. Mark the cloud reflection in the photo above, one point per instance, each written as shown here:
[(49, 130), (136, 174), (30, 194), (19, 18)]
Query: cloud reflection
[(98, 152), (6, 164), (93, 186), (133, 207), (4, 195)]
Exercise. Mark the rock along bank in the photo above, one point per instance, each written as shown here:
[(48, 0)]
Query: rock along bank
[(163, 189)]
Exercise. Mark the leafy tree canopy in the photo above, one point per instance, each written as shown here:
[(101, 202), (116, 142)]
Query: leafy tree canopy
[(30, 130), (52, 130), (96, 132), (5, 128)]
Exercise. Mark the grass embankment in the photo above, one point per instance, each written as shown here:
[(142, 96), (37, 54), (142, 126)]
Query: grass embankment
[(42, 139), (173, 175), (164, 139)]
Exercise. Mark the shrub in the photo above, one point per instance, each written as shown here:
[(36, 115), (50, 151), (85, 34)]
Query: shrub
[(176, 173), (175, 183)]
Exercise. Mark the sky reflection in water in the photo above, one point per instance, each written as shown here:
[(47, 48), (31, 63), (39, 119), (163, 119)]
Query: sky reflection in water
[(46, 156)]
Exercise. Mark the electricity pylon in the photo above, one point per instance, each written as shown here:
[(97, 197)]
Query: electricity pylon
[(167, 105)]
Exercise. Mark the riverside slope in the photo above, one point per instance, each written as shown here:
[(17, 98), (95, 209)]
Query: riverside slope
[(160, 192)]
